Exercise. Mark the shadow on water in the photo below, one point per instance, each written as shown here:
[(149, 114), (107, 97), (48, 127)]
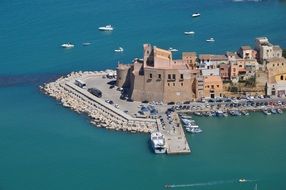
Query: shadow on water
[(28, 79)]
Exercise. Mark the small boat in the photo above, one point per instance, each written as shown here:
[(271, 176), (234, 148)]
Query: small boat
[(225, 114), (120, 49), (266, 112), (189, 33), (219, 113), (67, 45), (279, 111), (273, 111), (186, 117), (196, 15), (210, 40), (198, 113), (86, 43), (242, 180), (244, 112), (106, 28), (172, 49)]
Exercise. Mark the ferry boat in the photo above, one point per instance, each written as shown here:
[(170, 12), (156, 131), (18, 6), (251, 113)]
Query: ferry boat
[(210, 40), (196, 15), (158, 143), (172, 49), (120, 49), (106, 28), (189, 33), (67, 45)]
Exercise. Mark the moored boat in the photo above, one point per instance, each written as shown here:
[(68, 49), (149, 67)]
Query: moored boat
[(273, 111), (266, 112), (279, 111), (158, 143), (244, 112)]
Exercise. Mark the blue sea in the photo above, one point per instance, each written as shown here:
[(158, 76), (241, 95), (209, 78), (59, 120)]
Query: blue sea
[(46, 146)]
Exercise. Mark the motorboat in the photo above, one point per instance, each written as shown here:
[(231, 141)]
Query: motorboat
[(242, 180), (196, 15), (210, 40), (120, 49), (273, 111), (244, 112), (106, 28), (67, 45), (198, 113), (186, 117), (193, 128), (279, 111), (219, 113), (158, 143), (172, 49), (225, 114), (266, 112), (86, 43), (189, 33)]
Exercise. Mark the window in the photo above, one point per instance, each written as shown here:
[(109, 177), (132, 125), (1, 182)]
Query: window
[(169, 76), (150, 76), (182, 76), (217, 86), (273, 65), (168, 84), (212, 86), (182, 84), (281, 77), (159, 76), (174, 76), (173, 84)]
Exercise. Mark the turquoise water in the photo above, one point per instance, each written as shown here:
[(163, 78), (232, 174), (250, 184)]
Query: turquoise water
[(45, 146)]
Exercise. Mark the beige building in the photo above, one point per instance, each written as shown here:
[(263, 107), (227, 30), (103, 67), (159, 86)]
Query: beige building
[(213, 87), (158, 77), (266, 50), (276, 77)]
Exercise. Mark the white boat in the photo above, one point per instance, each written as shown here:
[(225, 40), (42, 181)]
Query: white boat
[(120, 49), (210, 40), (172, 49), (242, 180), (266, 112), (189, 33), (106, 28), (279, 111), (67, 45), (158, 142), (196, 15)]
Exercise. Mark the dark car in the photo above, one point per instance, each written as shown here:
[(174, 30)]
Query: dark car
[(95, 92)]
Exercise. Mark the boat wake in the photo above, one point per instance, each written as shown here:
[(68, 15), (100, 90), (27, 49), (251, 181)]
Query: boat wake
[(208, 183)]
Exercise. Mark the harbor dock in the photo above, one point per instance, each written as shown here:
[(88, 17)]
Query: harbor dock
[(120, 115)]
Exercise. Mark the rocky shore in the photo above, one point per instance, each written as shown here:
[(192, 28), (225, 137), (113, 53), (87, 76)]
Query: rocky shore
[(101, 115)]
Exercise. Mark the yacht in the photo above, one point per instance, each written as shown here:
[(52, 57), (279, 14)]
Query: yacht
[(193, 128), (106, 28), (67, 45), (120, 49), (158, 143), (196, 15), (210, 40), (172, 49), (189, 33)]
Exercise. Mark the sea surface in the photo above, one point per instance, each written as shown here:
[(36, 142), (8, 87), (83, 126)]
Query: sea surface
[(46, 146)]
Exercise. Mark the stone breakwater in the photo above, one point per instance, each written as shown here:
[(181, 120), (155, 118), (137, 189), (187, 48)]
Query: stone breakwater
[(101, 113)]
